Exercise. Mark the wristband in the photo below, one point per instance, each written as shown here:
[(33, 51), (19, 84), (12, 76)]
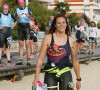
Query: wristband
[(79, 79)]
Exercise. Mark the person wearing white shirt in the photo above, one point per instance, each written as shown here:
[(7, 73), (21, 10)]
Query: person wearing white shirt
[(93, 34), (79, 28)]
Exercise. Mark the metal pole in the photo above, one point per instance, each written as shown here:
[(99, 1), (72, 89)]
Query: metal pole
[(84, 9), (26, 2)]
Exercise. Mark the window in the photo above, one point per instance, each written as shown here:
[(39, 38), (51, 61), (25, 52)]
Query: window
[(86, 2), (87, 13), (61, 0)]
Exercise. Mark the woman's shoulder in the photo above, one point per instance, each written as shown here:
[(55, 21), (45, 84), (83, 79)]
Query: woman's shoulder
[(82, 27), (95, 27), (47, 37), (90, 28)]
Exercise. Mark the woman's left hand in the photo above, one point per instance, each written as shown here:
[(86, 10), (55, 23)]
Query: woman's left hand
[(27, 14), (78, 85)]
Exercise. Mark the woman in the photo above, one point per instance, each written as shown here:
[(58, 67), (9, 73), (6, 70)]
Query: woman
[(7, 22), (36, 30), (24, 15), (58, 45), (79, 28), (33, 38), (93, 35)]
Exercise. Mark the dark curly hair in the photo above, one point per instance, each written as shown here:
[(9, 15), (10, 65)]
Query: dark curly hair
[(94, 24), (52, 29)]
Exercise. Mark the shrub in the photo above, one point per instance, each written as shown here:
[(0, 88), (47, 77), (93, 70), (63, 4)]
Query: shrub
[(62, 6), (73, 19), (98, 25)]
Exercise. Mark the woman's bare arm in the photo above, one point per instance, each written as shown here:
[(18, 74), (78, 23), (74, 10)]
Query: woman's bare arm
[(42, 54), (75, 61), (74, 57)]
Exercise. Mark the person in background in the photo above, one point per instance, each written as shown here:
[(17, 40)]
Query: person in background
[(7, 23), (58, 45), (63, 12), (82, 30), (24, 15), (79, 28), (36, 30), (93, 34), (31, 38), (49, 23)]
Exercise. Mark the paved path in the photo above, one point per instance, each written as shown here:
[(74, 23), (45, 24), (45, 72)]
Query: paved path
[(10, 70)]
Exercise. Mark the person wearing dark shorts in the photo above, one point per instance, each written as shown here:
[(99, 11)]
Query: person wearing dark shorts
[(33, 38), (7, 23), (58, 45), (36, 30), (23, 14)]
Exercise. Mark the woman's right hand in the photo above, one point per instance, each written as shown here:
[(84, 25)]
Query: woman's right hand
[(36, 79), (19, 15)]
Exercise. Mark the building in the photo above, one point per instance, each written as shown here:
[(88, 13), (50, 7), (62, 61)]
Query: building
[(90, 7)]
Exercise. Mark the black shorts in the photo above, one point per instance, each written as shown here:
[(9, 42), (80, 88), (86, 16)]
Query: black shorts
[(31, 34), (34, 39), (5, 37), (24, 33), (78, 36), (50, 80)]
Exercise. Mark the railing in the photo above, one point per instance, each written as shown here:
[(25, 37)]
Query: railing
[(96, 5), (46, 1), (96, 17)]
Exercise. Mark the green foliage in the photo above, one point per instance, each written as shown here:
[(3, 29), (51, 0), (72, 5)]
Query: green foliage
[(41, 14), (73, 19), (98, 25), (62, 6), (0, 9)]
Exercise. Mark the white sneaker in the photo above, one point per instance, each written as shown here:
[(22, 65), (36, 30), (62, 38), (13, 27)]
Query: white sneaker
[(37, 53)]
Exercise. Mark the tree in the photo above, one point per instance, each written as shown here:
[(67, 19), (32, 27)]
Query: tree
[(98, 25), (73, 19), (41, 14), (62, 6)]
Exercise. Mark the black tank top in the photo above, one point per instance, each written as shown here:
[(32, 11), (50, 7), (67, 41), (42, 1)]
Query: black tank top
[(59, 55)]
